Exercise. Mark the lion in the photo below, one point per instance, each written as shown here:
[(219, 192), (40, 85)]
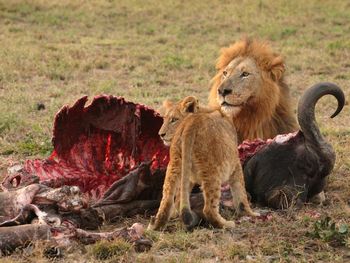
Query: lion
[(249, 83), (203, 150)]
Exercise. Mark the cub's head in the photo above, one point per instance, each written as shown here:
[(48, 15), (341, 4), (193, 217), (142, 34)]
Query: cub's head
[(173, 114), (248, 72)]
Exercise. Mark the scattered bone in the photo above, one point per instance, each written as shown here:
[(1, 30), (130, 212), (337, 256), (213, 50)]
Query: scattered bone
[(21, 236)]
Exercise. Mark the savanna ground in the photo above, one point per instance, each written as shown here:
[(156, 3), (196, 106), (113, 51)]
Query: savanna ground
[(53, 52)]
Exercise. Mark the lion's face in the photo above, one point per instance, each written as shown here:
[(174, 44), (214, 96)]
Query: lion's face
[(174, 113), (240, 83), (249, 86)]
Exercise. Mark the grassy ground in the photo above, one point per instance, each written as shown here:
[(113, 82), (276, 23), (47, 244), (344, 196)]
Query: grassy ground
[(53, 52)]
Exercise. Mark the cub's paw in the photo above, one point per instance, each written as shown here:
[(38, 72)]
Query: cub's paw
[(245, 209), (152, 225), (254, 214), (189, 218)]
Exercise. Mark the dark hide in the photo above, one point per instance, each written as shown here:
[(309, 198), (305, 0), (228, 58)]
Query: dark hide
[(137, 193), (21, 236), (139, 184), (294, 169)]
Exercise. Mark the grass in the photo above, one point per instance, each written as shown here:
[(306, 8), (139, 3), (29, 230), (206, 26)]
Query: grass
[(53, 52), (103, 250)]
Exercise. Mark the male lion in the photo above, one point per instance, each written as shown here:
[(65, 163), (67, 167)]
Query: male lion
[(249, 84), (203, 150)]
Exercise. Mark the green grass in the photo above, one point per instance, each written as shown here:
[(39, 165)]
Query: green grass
[(54, 52), (103, 250)]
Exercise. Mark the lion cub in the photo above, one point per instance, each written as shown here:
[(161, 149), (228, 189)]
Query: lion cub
[(203, 150)]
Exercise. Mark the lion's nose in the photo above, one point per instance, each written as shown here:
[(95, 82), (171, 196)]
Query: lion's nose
[(161, 135), (226, 92), (225, 89)]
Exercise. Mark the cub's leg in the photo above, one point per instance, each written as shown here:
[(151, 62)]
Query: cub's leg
[(239, 193), (189, 218), (171, 183), (176, 211), (211, 186)]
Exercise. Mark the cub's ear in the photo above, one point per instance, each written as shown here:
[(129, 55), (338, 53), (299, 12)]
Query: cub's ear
[(189, 104), (166, 105), (277, 68)]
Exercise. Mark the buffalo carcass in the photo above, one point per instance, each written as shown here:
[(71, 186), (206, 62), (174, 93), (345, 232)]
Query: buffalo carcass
[(112, 152)]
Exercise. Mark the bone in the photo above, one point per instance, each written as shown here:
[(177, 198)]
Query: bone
[(17, 176), (12, 202), (132, 234), (21, 205), (21, 236), (25, 216), (67, 198)]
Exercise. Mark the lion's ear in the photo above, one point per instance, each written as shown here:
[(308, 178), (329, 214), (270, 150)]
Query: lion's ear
[(189, 104), (277, 68)]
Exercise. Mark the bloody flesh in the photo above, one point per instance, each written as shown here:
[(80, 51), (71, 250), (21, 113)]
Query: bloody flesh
[(98, 144)]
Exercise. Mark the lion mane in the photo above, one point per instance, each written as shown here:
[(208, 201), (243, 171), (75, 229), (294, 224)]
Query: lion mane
[(270, 112)]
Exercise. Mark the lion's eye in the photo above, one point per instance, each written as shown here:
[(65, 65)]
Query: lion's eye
[(244, 74), (224, 73), (174, 120)]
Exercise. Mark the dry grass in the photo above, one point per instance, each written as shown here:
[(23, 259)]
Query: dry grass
[(53, 52)]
